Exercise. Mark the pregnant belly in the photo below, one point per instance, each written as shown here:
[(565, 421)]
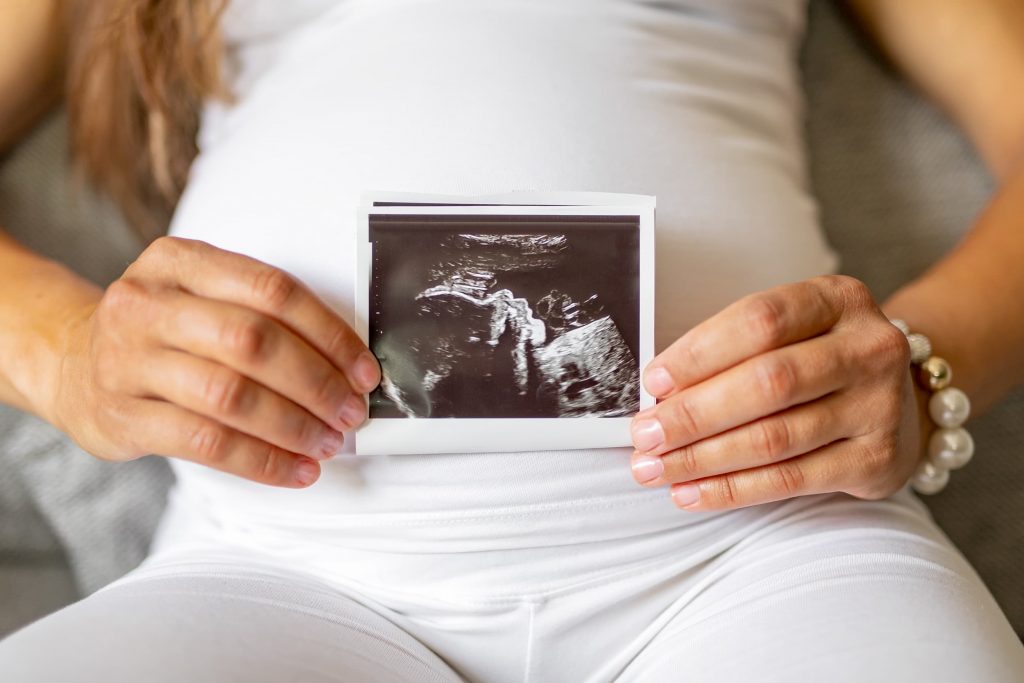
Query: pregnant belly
[(462, 97)]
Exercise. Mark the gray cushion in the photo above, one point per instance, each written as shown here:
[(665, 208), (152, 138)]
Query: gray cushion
[(102, 514), (24, 531), (30, 589)]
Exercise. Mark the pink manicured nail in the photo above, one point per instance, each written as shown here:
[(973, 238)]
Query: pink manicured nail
[(306, 472), (658, 381), (647, 434), (645, 469), (331, 443), (686, 494), (353, 411), (366, 371)]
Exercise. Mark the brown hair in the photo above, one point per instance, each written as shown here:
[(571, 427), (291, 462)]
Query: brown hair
[(138, 72)]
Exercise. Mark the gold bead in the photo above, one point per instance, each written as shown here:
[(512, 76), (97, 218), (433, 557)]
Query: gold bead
[(935, 374)]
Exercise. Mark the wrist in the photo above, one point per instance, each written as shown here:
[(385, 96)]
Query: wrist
[(44, 328), (70, 342), (925, 306), (947, 445)]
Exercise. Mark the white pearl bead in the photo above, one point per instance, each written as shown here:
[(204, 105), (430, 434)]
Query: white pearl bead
[(901, 325), (950, 449), (929, 479), (949, 407), (920, 348)]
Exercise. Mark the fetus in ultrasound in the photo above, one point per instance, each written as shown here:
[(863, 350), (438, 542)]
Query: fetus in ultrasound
[(474, 323)]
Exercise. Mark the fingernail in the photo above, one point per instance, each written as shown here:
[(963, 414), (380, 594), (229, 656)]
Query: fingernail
[(647, 434), (658, 381), (367, 371), (306, 472), (645, 469), (353, 411), (331, 443), (686, 494)]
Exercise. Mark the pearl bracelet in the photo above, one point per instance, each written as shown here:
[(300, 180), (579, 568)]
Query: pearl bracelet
[(950, 447)]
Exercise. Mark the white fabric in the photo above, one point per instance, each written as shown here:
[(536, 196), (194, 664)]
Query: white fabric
[(546, 566), (826, 588), (696, 102)]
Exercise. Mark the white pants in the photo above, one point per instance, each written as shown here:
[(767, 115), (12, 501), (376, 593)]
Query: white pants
[(819, 588)]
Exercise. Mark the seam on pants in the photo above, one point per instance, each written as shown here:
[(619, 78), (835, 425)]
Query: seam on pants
[(768, 524), (323, 615), (672, 629), (816, 538), (530, 639), (228, 569), (667, 562), (882, 566), (214, 568), (667, 624), (710, 576)]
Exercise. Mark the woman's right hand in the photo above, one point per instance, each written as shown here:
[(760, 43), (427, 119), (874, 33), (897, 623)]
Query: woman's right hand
[(217, 358)]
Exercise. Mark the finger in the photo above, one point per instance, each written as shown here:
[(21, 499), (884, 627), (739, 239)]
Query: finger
[(751, 326), (820, 471), (216, 391), (175, 432), (260, 348), (751, 390), (207, 271), (785, 434)]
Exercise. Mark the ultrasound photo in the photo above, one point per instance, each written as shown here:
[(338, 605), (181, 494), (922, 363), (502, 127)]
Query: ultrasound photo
[(505, 316)]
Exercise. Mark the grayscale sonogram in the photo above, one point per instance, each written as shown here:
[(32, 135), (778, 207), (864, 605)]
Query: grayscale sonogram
[(505, 316)]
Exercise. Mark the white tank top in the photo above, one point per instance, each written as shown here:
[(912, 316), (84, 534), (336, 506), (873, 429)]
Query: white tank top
[(695, 101)]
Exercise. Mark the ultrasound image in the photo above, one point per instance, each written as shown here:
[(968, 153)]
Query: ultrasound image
[(505, 316)]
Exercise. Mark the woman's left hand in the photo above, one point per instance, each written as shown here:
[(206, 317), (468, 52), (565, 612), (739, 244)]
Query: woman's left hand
[(797, 390)]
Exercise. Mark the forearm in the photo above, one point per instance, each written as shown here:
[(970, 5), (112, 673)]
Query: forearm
[(971, 303), (967, 55), (39, 301), (32, 46)]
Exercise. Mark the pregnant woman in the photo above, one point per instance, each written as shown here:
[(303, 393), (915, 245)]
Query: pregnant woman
[(762, 528)]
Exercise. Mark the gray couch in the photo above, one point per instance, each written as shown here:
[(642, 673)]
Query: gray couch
[(897, 184)]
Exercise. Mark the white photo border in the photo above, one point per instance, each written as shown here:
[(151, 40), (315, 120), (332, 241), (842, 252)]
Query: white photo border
[(398, 436)]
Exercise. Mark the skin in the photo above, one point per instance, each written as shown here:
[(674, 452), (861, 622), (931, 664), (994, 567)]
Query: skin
[(214, 357), (804, 389), (195, 352)]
